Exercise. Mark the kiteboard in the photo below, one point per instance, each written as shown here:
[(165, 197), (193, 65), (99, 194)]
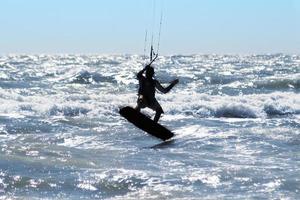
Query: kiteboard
[(145, 123)]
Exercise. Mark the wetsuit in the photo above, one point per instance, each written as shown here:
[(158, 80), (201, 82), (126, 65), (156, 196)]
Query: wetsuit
[(146, 93)]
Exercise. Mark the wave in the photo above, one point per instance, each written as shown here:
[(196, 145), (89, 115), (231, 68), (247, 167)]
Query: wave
[(85, 77), (178, 103), (292, 82), (244, 106), (235, 111), (68, 111), (276, 109), (273, 110), (222, 79)]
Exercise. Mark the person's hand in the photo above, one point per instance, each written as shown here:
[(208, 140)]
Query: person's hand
[(147, 67), (175, 82)]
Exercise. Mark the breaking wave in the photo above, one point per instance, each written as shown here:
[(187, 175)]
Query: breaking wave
[(85, 77)]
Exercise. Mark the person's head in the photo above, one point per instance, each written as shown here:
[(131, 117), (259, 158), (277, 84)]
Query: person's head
[(149, 72)]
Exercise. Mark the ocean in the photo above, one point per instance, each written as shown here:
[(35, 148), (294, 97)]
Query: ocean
[(236, 120)]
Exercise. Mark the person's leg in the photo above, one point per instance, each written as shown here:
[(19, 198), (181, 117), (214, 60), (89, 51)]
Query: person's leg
[(158, 109), (157, 115)]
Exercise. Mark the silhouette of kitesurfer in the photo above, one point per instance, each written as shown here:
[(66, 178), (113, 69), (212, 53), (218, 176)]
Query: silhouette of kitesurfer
[(146, 92)]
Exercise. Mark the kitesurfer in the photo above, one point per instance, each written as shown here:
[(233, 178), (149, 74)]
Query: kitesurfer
[(146, 92)]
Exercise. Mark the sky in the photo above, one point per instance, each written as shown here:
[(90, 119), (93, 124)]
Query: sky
[(120, 26)]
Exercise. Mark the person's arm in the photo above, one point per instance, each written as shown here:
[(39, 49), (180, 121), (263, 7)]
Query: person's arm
[(167, 89), (140, 74)]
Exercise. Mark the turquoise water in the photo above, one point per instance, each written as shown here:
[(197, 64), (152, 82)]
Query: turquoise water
[(236, 121)]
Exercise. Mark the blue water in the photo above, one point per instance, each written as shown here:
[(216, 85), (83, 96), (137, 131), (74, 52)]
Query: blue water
[(236, 121)]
